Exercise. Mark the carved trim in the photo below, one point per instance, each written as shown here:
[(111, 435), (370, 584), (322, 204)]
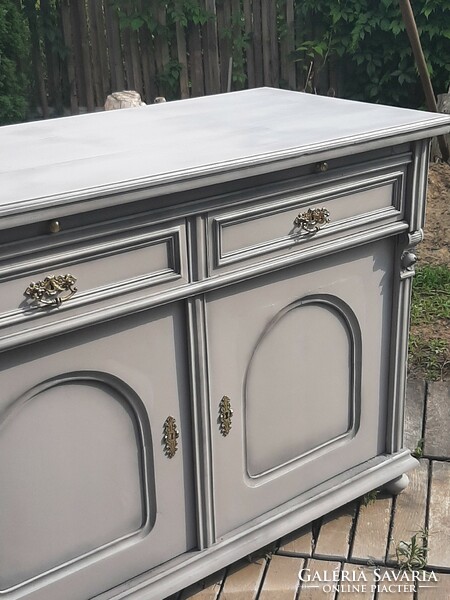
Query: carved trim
[(343, 310), (138, 413)]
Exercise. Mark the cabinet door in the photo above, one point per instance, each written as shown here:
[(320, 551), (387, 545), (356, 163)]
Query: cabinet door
[(302, 355), (89, 496)]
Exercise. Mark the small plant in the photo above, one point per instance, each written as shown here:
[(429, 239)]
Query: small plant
[(418, 450), (412, 555), (370, 497)]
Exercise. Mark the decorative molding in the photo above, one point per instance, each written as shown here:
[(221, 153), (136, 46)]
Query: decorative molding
[(201, 420), (345, 313), (138, 413)]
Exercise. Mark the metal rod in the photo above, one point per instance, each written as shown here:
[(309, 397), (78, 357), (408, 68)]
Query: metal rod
[(413, 34)]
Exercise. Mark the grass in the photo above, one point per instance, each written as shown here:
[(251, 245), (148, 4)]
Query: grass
[(431, 294), (429, 343)]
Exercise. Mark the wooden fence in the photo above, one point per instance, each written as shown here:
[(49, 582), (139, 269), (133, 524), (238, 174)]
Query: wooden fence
[(85, 49)]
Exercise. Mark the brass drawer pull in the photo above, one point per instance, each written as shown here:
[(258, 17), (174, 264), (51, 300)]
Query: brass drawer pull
[(171, 435), (225, 416), (312, 220), (49, 292)]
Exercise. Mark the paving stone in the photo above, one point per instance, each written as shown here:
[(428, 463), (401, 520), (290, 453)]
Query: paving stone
[(389, 589), (372, 530), (335, 532), (243, 580), (281, 581), (410, 510), (300, 542), (432, 590), (439, 516), (414, 410), (318, 590), (437, 426), (362, 586)]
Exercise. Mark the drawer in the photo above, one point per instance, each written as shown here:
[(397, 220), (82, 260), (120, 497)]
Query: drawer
[(70, 271), (276, 222)]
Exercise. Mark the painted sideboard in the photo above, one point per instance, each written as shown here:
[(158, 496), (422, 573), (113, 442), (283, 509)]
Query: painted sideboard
[(203, 332)]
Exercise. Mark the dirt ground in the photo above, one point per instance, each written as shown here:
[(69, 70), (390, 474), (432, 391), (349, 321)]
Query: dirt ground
[(435, 249)]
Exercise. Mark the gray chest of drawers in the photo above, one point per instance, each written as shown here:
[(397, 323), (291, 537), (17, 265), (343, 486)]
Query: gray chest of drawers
[(203, 331)]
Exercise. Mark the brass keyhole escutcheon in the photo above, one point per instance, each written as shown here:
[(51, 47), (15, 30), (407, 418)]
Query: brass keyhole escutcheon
[(225, 416), (170, 437)]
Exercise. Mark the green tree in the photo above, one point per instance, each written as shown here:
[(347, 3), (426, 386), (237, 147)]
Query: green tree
[(369, 40)]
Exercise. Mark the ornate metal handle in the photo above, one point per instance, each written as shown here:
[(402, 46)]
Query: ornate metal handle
[(312, 220), (50, 291), (225, 416), (171, 435)]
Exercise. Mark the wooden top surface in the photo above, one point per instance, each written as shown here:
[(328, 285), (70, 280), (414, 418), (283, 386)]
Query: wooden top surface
[(95, 153)]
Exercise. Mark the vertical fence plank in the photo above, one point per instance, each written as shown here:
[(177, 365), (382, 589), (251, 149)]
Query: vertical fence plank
[(102, 46), (136, 62), (274, 52), (250, 49), (97, 67), (290, 25), (223, 11), (238, 50), (36, 57), (127, 57), (266, 47), (195, 53), (114, 47), (147, 60), (51, 58), (99, 50), (132, 54), (67, 33), (211, 49), (86, 55), (162, 55), (257, 43), (182, 59), (287, 46), (78, 60)]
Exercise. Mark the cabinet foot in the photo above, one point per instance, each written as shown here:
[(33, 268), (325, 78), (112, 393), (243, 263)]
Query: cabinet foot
[(397, 485)]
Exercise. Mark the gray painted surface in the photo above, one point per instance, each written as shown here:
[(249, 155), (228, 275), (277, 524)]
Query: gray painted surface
[(293, 380), (62, 156), (185, 298)]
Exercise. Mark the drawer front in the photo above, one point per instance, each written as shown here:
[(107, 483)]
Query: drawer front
[(78, 272), (293, 220)]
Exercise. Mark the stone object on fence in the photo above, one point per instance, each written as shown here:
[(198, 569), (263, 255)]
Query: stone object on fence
[(124, 99), (443, 106)]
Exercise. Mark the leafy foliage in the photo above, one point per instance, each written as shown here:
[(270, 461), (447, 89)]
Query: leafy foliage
[(369, 41), (14, 52), (412, 555)]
